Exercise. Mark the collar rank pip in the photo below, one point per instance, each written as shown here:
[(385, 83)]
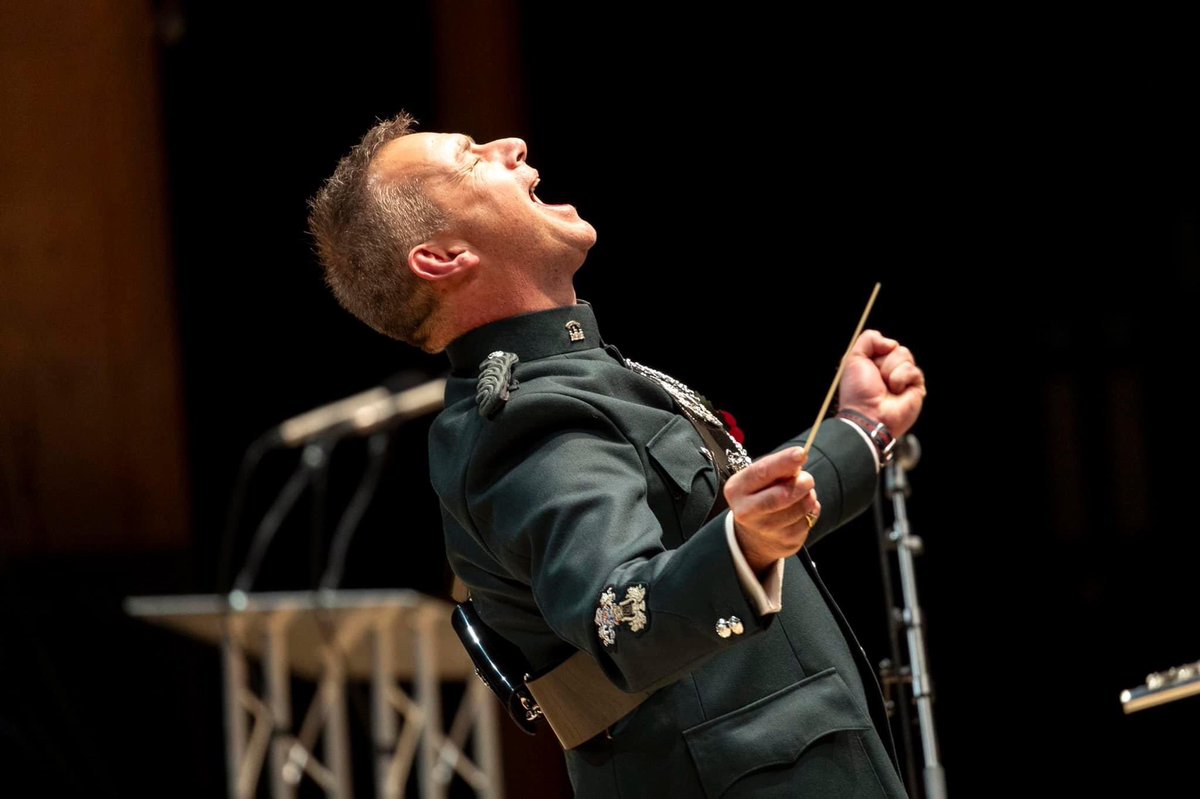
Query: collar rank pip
[(495, 383)]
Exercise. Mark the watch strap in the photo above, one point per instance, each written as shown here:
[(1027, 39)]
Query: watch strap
[(879, 433)]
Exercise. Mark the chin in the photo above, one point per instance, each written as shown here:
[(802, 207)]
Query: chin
[(585, 245), (587, 237), (572, 258), (578, 238)]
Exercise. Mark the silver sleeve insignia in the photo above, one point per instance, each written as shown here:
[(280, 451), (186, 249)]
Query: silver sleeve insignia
[(495, 382), (631, 611)]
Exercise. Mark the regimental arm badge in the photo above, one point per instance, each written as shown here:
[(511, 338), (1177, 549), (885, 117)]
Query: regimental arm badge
[(631, 611)]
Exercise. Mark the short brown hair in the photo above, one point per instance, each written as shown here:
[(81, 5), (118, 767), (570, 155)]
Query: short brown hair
[(364, 227)]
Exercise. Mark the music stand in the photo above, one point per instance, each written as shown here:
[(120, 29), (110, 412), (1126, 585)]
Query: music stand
[(330, 637)]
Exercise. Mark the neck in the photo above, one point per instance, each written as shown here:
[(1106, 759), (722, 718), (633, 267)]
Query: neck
[(486, 305)]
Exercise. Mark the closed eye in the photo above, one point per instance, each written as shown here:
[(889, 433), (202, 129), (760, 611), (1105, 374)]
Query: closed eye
[(465, 171)]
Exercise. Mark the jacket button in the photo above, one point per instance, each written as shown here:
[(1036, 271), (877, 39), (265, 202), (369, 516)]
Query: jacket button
[(730, 626)]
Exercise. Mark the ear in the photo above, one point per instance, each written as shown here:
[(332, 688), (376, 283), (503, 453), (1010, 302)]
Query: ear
[(433, 261)]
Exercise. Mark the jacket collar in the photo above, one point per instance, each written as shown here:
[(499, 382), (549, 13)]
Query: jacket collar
[(539, 334)]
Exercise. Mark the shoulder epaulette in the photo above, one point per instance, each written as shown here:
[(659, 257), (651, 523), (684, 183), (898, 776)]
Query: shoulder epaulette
[(495, 382)]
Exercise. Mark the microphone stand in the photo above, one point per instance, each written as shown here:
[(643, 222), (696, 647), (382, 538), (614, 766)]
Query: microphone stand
[(371, 413), (907, 547), (309, 472), (377, 451), (893, 674), (250, 460)]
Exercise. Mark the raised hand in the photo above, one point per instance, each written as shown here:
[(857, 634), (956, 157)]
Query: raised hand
[(883, 381)]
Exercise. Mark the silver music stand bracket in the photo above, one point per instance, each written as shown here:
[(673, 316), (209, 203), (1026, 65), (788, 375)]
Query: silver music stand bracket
[(384, 637)]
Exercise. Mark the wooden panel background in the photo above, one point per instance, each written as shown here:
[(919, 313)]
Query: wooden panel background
[(91, 432)]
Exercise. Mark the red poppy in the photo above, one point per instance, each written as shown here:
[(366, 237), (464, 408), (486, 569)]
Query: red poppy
[(732, 426)]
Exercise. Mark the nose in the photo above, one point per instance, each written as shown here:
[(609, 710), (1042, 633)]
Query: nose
[(510, 151)]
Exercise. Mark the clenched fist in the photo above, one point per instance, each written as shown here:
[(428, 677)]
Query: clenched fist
[(883, 381)]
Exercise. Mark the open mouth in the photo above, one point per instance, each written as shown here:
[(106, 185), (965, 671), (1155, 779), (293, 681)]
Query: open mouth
[(533, 186), (538, 200)]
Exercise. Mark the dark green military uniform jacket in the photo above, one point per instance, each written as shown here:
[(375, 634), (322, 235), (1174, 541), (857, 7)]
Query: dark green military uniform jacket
[(588, 479)]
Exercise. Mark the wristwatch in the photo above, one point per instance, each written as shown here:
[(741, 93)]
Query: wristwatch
[(878, 432)]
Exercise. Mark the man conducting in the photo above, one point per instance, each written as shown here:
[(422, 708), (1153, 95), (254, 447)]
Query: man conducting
[(594, 505)]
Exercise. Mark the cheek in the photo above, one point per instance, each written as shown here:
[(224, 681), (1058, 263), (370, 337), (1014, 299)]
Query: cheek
[(491, 216), (504, 210)]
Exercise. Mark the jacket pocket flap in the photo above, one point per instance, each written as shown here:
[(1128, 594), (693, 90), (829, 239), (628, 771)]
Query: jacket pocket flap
[(773, 730), (676, 450)]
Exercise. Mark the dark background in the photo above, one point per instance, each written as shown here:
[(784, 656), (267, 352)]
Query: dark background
[(1024, 189)]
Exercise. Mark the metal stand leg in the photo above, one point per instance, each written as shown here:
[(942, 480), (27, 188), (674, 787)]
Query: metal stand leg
[(233, 663), (337, 740), (429, 700), (383, 717), (279, 700), (935, 780), (487, 738), (907, 547)]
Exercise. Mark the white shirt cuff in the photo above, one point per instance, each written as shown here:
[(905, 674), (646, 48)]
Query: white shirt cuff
[(766, 596), (863, 435)]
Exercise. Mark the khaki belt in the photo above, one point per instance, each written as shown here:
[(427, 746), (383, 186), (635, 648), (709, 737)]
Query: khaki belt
[(579, 701)]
